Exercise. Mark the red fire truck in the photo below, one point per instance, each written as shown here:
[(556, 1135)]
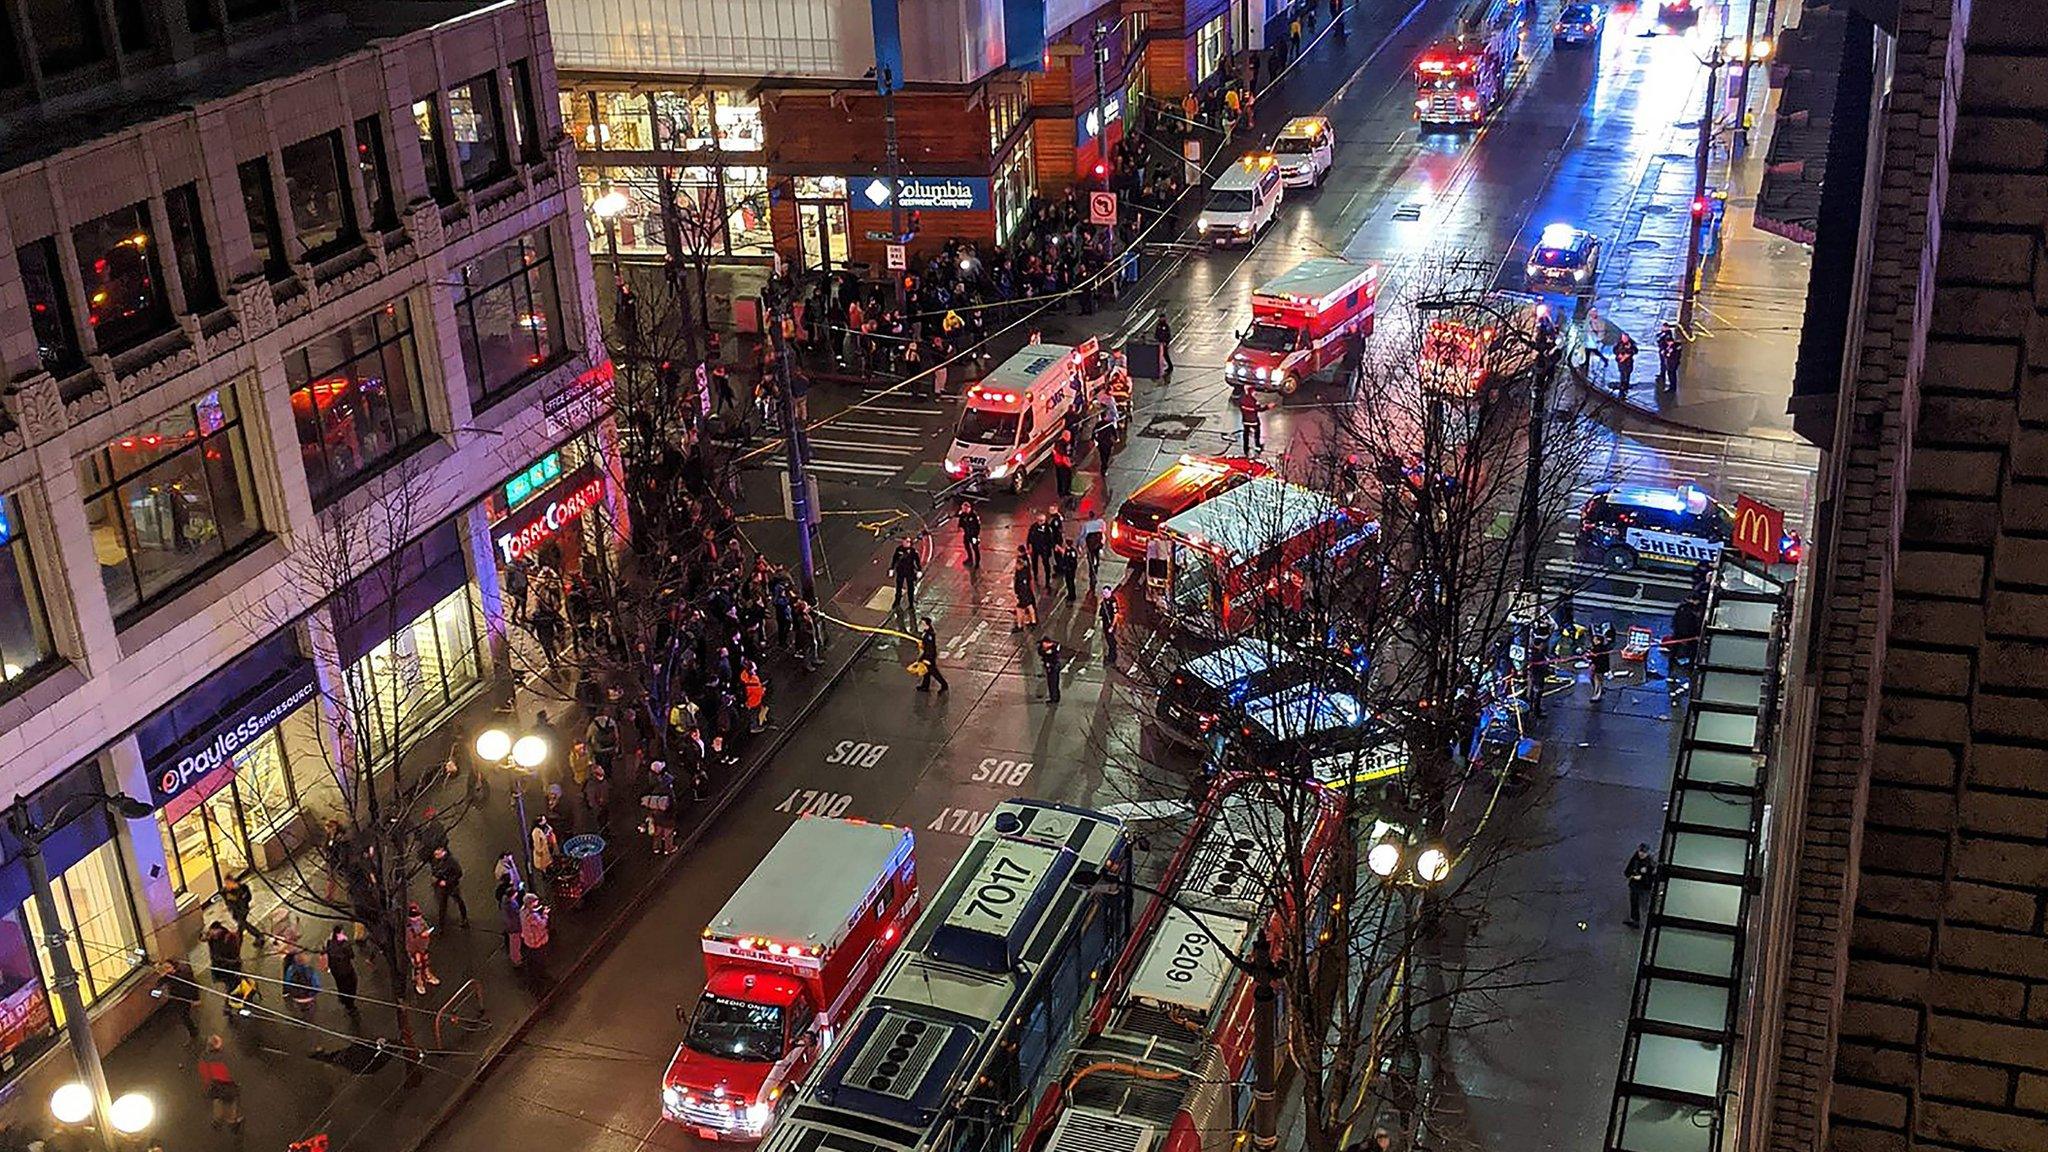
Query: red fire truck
[(785, 960), (1214, 568), (1459, 79), (1300, 322)]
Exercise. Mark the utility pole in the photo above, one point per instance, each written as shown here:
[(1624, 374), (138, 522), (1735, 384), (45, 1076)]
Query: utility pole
[(1101, 105), (799, 448), (893, 161), (1696, 210), (1532, 478), (1265, 1045), (1748, 64)]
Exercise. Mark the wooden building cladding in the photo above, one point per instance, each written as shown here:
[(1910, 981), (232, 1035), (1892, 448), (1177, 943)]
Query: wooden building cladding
[(843, 134)]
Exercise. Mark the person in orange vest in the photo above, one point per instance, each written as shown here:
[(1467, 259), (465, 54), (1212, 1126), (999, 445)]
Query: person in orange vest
[(1063, 464), (756, 696), (1248, 410)]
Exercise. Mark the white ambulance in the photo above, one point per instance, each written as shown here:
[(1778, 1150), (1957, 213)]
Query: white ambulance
[(1012, 418)]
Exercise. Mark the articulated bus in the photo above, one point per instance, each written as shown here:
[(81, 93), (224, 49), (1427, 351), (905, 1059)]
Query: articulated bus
[(957, 1046), (1167, 1064)]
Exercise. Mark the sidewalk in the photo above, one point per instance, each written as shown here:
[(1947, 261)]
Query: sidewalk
[(288, 1094), (1737, 371)]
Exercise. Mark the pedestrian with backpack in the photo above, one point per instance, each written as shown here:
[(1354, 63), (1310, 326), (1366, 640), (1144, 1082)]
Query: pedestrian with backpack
[(217, 1082)]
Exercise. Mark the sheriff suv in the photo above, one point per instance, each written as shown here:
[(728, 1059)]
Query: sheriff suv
[(1624, 527)]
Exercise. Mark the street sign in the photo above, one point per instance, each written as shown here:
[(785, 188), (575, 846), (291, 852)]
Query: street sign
[(899, 258), (1758, 529), (1524, 606), (1102, 208), (877, 234)]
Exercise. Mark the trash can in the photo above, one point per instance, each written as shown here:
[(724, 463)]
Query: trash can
[(588, 853)]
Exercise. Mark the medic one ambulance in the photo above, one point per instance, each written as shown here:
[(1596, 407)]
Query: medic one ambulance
[(787, 958), (1300, 322), (1014, 415)]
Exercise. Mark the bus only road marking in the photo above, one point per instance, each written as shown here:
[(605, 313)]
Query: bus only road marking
[(811, 802)]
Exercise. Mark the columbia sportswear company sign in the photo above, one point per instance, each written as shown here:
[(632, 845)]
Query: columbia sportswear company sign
[(543, 518), (927, 193)]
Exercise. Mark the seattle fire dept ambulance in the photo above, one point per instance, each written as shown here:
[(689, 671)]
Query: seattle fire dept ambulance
[(1012, 418), (785, 961), (1459, 79), (1301, 321), (1213, 569)]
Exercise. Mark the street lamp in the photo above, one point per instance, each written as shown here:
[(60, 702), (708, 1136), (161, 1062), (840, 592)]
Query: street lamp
[(609, 206), (1265, 974), (63, 977), (522, 756), (132, 1112)]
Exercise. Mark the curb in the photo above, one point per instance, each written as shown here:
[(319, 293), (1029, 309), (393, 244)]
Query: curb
[(630, 914), (1607, 400)]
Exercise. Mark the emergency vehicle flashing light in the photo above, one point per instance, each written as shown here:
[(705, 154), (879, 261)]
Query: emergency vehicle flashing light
[(1557, 236), (1257, 161)]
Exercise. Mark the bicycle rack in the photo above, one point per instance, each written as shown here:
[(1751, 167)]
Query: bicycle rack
[(481, 1021)]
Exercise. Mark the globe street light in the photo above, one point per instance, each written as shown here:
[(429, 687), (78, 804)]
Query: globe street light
[(522, 757), (132, 1112), (609, 206), (71, 1103)]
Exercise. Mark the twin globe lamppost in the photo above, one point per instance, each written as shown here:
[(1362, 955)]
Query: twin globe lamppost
[(522, 756)]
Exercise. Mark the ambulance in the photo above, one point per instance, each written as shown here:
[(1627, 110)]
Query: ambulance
[(785, 962), (1301, 322), (1013, 417)]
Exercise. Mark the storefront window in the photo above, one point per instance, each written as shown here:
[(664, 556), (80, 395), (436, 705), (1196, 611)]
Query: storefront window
[(356, 398), (25, 646), (623, 122), (746, 204), (684, 121), (169, 501), (821, 187), (1015, 185), (509, 314), (1209, 48), (24, 1003), (1005, 111), (96, 911), (220, 835), (407, 681)]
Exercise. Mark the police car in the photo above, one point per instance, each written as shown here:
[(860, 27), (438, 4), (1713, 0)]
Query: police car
[(1565, 257), (1620, 528)]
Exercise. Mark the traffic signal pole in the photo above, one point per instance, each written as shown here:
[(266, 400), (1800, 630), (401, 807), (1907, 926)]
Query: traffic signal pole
[(796, 452), (1697, 209), (893, 161)]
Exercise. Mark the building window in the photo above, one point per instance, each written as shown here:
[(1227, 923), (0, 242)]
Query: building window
[(259, 205), (622, 122), (1016, 185), (479, 131), (686, 121), (188, 245), (201, 16), (424, 117), (356, 398), (131, 22), (509, 314), (97, 913), (1209, 48), (1135, 24), (526, 124), (49, 309), (25, 647), (317, 187), (13, 74), (1005, 112), (66, 32), (169, 501), (124, 284), (376, 173), (407, 681)]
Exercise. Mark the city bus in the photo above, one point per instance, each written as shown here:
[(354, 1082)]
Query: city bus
[(1167, 1062), (956, 1048)]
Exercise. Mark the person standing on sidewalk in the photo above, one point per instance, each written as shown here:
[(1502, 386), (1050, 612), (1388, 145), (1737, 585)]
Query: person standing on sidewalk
[(419, 943), (301, 985), (1050, 657), (176, 983), (237, 896), (1624, 363), (340, 956), (224, 957), (928, 651), (1106, 612), (970, 533), (1641, 871), (217, 1081), (509, 896), (1600, 661), (1092, 534), (1162, 335), (1670, 349), (1105, 448), (533, 932), (447, 873)]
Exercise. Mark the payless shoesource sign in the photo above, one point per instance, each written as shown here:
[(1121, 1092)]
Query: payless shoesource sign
[(543, 517)]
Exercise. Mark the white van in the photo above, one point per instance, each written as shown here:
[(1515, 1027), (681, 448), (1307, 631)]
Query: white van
[(1306, 148), (1243, 200), (1012, 418)]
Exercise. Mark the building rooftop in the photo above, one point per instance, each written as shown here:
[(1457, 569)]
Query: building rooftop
[(277, 50)]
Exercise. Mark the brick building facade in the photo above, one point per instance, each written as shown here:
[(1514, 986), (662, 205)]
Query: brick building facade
[(1903, 995)]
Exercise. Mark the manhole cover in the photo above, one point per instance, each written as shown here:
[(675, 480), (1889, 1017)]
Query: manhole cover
[(1172, 427), (1412, 210), (1642, 245), (1656, 209)]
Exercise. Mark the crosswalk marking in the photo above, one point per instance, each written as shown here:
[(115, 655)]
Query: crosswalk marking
[(849, 468), (861, 446)]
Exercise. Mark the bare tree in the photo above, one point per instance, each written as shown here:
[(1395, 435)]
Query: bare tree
[(1412, 623)]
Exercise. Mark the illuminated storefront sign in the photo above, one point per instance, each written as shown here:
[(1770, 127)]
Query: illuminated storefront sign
[(545, 515), (927, 193), (545, 471)]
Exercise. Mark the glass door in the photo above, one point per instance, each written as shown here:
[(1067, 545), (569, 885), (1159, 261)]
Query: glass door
[(822, 233)]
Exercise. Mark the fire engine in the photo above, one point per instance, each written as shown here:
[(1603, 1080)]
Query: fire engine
[(1301, 322), (1215, 568), (1459, 79), (785, 961)]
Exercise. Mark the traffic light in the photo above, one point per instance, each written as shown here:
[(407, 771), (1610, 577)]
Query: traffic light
[(913, 224), (1101, 170), (1699, 207)]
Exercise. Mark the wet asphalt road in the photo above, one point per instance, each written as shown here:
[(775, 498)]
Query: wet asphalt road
[(587, 1076)]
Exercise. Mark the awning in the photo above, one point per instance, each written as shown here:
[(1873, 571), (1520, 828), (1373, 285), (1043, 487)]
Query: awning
[(1808, 70)]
